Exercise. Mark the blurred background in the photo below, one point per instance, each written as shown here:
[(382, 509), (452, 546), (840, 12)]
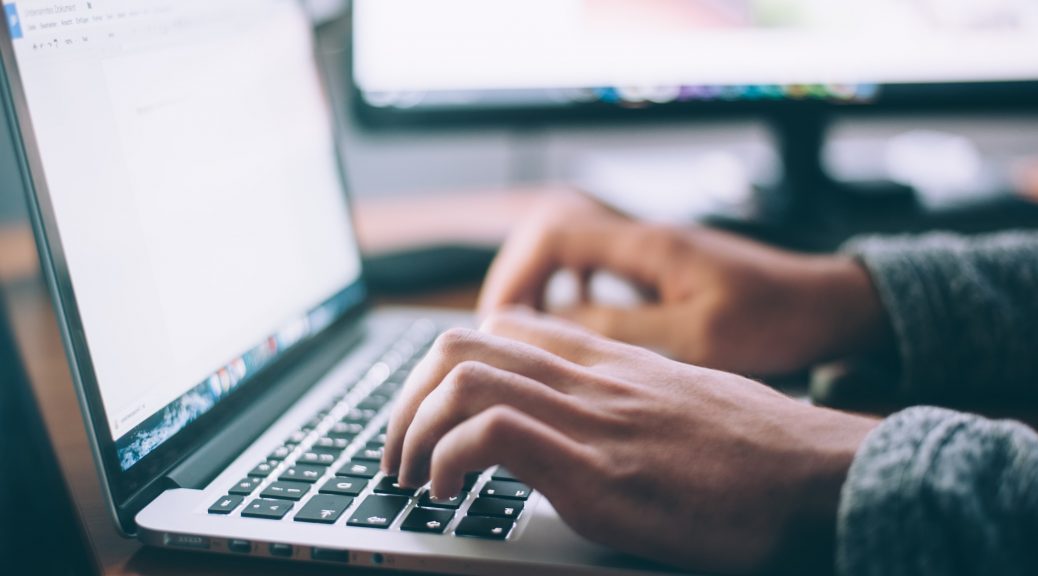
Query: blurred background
[(512, 118)]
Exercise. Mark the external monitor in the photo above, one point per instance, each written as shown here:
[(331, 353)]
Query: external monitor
[(414, 56), (794, 63)]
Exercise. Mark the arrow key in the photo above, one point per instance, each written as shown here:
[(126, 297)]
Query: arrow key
[(506, 489), (324, 509), (496, 508), (378, 511), (490, 528), (426, 520)]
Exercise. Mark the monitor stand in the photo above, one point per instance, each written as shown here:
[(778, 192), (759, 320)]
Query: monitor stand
[(810, 210)]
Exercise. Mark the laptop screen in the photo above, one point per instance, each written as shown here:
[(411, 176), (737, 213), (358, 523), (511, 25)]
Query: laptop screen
[(188, 151)]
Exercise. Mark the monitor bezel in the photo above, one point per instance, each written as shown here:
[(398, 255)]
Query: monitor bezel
[(928, 98), (893, 99), (127, 491)]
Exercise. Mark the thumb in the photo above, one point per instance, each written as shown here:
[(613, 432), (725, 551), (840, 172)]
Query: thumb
[(647, 326)]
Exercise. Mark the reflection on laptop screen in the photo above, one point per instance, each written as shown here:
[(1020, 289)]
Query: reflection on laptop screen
[(189, 155)]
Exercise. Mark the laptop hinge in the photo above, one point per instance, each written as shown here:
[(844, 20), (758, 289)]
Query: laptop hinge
[(215, 454)]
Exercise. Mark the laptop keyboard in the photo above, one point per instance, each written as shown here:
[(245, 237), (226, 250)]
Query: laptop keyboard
[(327, 472)]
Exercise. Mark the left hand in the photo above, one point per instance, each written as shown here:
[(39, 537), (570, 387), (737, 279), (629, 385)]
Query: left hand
[(701, 469)]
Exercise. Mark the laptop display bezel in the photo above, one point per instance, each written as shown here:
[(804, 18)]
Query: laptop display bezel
[(129, 490)]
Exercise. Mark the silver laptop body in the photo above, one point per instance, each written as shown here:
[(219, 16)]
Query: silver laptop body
[(182, 169)]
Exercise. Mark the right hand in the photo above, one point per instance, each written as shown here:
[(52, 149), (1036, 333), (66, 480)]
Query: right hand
[(718, 300), (697, 468)]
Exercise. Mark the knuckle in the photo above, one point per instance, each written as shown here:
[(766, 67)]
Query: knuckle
[(545, 234), (669, 242), (498, 321), (499, 423), (453, 343), (464, 380)]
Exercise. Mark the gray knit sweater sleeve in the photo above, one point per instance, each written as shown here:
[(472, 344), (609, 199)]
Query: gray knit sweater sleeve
[(964, 312), (938, 492)]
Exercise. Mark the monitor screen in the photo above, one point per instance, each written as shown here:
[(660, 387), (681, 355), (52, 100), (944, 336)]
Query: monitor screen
[(188, 153), (507, 53)]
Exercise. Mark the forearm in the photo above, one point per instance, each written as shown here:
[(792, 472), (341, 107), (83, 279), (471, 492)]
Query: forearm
[(938, 492), (964, 313)]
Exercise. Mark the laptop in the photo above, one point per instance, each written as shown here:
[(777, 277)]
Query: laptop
[(184, 178)]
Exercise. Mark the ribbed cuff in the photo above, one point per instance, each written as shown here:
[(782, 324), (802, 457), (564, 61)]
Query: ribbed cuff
[(914, 303), (881, 504)]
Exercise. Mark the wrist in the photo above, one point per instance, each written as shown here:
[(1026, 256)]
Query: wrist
[(849, 308), (808, 541)]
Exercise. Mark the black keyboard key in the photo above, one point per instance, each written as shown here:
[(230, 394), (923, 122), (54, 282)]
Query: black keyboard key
[(318, 458), (502, 473), (326, 449), (504, 489), (345, 430), (355, 416), (324, 509), (388, 485), (359, 469), (374, 402), (286, 490), (281, 453), (303, 473), (425, 520), (344, 486), (470, 480), (378, 511), (368, 453), (479, 527), (452, 503), (226, 504), (263, 469), (328, 443), (269, 509), (496, 508), (245, 486)]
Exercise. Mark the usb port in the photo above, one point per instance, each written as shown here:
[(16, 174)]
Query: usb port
[(281, 550), (327, 555), (239, 546)]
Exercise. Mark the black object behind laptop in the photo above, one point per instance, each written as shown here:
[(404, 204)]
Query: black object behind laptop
[(39, 528)]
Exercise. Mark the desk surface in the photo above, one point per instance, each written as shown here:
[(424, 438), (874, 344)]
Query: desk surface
[(481, 218)]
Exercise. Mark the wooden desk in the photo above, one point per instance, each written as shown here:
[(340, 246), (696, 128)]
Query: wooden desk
[(481, 217)]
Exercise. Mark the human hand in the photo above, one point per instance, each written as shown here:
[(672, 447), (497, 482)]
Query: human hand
[(697, 468), (716, 299)]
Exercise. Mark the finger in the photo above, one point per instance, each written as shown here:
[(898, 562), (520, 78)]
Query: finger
[(543, 457), (471, 388), (457, 346), (524, 265), (560, 337), (647, 326)]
